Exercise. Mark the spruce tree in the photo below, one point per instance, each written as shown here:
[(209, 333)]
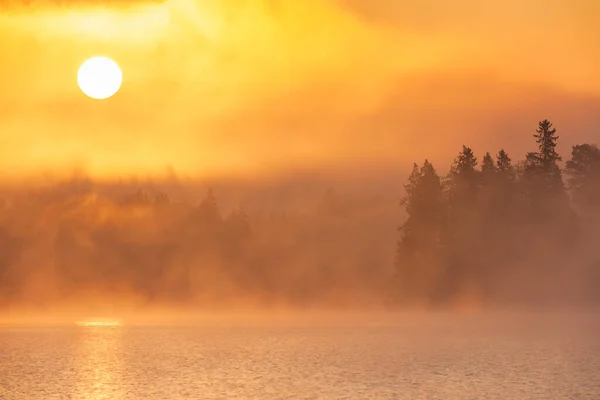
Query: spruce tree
[(504, 164), (541, 167), (546, 139), (462, 182), (488, 169), (418, 249), (583, 170), (487, 164), (548, 223), (461, 234), (505, 184), (465, 164)]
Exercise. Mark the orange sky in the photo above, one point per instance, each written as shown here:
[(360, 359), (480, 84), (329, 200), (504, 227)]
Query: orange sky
[(234, 86)]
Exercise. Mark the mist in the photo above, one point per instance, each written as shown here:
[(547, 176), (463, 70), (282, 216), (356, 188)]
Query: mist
[(489, 235), (257, 154)]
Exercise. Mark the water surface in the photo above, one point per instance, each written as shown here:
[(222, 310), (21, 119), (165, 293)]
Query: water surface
[(518, 358)]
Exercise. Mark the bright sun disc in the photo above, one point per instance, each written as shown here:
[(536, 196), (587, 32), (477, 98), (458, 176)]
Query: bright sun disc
[(99, 78)]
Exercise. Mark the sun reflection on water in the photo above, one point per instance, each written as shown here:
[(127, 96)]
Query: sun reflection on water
[(98, 323), (98, 361)]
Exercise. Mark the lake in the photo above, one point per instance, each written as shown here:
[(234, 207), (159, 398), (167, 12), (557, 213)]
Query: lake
[(446, 357)]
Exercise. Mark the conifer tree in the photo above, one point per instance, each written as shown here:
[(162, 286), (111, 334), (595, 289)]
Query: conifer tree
[(545, 210), (488, 169), (419, 247), (461, 233), (462, 183), (487, 164), (541, 167), (584, 174), (504, 166)]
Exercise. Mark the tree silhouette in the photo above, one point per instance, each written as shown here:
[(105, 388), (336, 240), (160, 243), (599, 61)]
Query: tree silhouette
[(584, 174), (465, 164), (487, 164), (463, 180), (546, 139), (424, 197), (541, 167), (504, 165), (463, 186), (418, 250), (488, 170)]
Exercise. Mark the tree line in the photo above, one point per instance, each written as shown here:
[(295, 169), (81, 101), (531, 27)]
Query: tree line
[(490, 231), (494, 231), (61, 245)]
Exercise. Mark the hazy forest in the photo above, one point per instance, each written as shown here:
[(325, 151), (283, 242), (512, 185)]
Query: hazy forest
[(490, 231), (494, 231)]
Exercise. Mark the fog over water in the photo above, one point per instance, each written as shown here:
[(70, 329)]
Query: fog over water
[(337, 199), (304, 119)]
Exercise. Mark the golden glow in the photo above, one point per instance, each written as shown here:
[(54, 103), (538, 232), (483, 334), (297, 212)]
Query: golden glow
[(323, 82), (97, 362), (98, 323), (99, 78)]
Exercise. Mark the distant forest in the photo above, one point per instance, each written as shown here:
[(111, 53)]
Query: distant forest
[(488, 232)]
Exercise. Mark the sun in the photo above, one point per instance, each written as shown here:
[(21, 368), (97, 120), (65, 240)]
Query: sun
[(99, 78)]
